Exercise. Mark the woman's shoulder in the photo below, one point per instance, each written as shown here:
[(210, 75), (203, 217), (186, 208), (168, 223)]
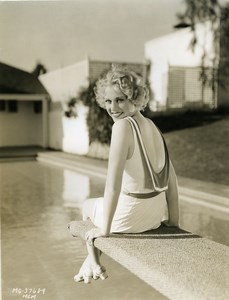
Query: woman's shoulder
[(150, 121), (122, 124), (121, 133)]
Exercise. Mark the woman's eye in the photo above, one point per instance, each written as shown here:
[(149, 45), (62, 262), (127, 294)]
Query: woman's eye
[(108, 101), (120, 100)]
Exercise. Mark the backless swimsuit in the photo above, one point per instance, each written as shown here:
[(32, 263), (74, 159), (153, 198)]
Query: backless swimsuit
[(141, 206)]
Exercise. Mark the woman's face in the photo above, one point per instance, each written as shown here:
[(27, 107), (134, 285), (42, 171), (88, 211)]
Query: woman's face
[(117, 106)]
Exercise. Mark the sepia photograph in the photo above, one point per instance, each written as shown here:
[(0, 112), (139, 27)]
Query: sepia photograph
[(114, 149)]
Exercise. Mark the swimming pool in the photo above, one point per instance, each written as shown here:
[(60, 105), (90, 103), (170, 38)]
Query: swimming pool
[(38, 252), (38, 201)]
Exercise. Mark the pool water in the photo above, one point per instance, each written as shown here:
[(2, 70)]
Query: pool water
[(38, 253), (38, 201)]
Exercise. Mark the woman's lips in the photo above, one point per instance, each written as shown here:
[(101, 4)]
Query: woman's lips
[(116, 114)]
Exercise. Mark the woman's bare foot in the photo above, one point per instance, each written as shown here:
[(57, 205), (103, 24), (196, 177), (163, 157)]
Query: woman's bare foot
[(85, 274), (99, 272), (89, 271)]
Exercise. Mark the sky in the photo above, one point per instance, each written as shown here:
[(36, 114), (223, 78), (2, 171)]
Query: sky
[(61, 33)]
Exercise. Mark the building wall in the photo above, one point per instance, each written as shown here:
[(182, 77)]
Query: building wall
[(68, 134), (97, 68), (55, 126), (65, 83), (22, 128), (174, 50), (186, 90), (62, 85), (176, 91), (75, 132)]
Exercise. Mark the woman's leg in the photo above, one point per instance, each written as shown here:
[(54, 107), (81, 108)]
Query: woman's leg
[(88, 209), (91, 266), (88, 213)]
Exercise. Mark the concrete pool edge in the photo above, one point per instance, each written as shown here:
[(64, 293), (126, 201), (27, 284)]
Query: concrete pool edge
[(182, 269), (207, 194)]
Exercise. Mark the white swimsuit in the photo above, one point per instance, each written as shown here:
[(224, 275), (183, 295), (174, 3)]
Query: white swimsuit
[(134, 214)]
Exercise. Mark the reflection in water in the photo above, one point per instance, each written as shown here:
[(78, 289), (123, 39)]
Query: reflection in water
[(37, 243), (76, 188), (76, 138), (207, 222), (202, 220)]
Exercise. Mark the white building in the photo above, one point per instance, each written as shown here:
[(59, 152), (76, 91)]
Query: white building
[(67, 134), (23, 109), (71, 134), (175, 69)]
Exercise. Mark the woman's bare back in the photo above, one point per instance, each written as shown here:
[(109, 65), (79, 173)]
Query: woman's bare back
[(153, 142)]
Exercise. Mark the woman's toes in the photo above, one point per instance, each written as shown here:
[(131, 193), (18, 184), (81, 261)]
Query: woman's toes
[(99, 272), (95, 277), (84, 272), (78, 277), (87, 279), (87, 274), (103, 276)]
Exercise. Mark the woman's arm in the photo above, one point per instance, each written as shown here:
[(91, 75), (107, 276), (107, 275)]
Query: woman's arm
[(172, 198), (119, 148)]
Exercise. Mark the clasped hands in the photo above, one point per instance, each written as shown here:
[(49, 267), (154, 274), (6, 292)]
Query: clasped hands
[(92, 234)]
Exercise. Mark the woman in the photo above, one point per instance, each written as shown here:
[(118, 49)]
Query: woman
[(141, 183)]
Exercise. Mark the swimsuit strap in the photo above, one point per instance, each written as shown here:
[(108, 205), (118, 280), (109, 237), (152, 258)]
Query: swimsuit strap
[(164, 173)]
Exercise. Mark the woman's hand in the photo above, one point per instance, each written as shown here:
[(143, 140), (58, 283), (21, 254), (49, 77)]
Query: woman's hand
[(92, 234)]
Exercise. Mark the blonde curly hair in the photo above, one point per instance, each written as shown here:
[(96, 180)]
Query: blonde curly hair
[(128, 82)]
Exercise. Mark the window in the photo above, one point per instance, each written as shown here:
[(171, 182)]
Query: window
[(2, 105), (12, 106), (37, 107)]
